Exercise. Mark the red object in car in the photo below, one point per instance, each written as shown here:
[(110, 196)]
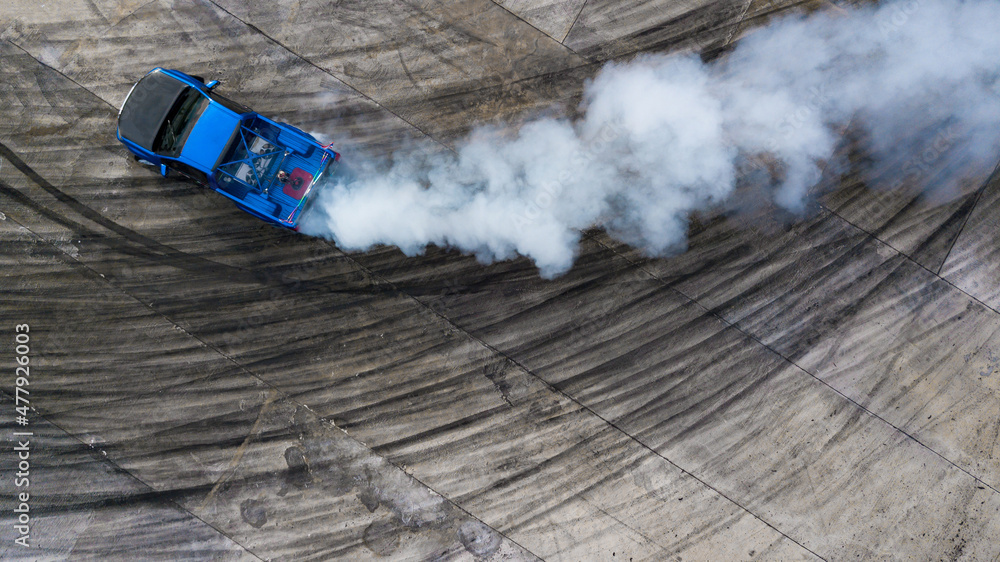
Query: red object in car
[(297, 184)]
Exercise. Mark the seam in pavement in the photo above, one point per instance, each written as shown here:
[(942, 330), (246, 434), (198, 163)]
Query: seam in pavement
[(739, 22), (127, 16), (531, 25), (573, 399), (803, 369), (920, 265), (330, 74), (282, 394), (979, 196), (576, 19), (60, 73)]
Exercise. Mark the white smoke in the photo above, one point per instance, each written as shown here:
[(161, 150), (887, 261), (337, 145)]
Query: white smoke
[(663, 136)]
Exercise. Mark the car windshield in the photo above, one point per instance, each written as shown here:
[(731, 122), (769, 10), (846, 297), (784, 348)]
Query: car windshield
[(178, 125)]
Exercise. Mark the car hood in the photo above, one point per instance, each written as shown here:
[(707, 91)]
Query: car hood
[(210, 136), (147, 106)]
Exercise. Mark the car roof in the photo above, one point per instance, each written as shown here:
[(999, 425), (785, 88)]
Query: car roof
[(147, 106)]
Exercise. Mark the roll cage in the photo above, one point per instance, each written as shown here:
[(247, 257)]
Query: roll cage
[(251, 159)]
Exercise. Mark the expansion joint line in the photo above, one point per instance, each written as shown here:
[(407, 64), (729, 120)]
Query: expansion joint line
[(576, 19), (975, 203), (61, 73), (531, 25), (739, 22), (910, 258)]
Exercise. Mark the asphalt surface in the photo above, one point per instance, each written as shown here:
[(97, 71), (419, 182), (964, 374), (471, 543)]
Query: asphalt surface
[(205, 386)]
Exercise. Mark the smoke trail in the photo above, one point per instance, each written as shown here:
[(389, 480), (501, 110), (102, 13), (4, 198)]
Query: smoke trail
[(662, 136)]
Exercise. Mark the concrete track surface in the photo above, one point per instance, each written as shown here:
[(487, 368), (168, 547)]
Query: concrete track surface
[(208, 387)]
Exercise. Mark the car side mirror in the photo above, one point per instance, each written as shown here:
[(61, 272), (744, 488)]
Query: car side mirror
[(164, 170), (212, 84)]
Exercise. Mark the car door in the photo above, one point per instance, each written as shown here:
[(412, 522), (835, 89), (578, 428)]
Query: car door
[(190, 172)]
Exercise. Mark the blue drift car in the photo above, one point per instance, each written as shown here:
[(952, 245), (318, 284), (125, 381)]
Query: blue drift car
[(179, 123)]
